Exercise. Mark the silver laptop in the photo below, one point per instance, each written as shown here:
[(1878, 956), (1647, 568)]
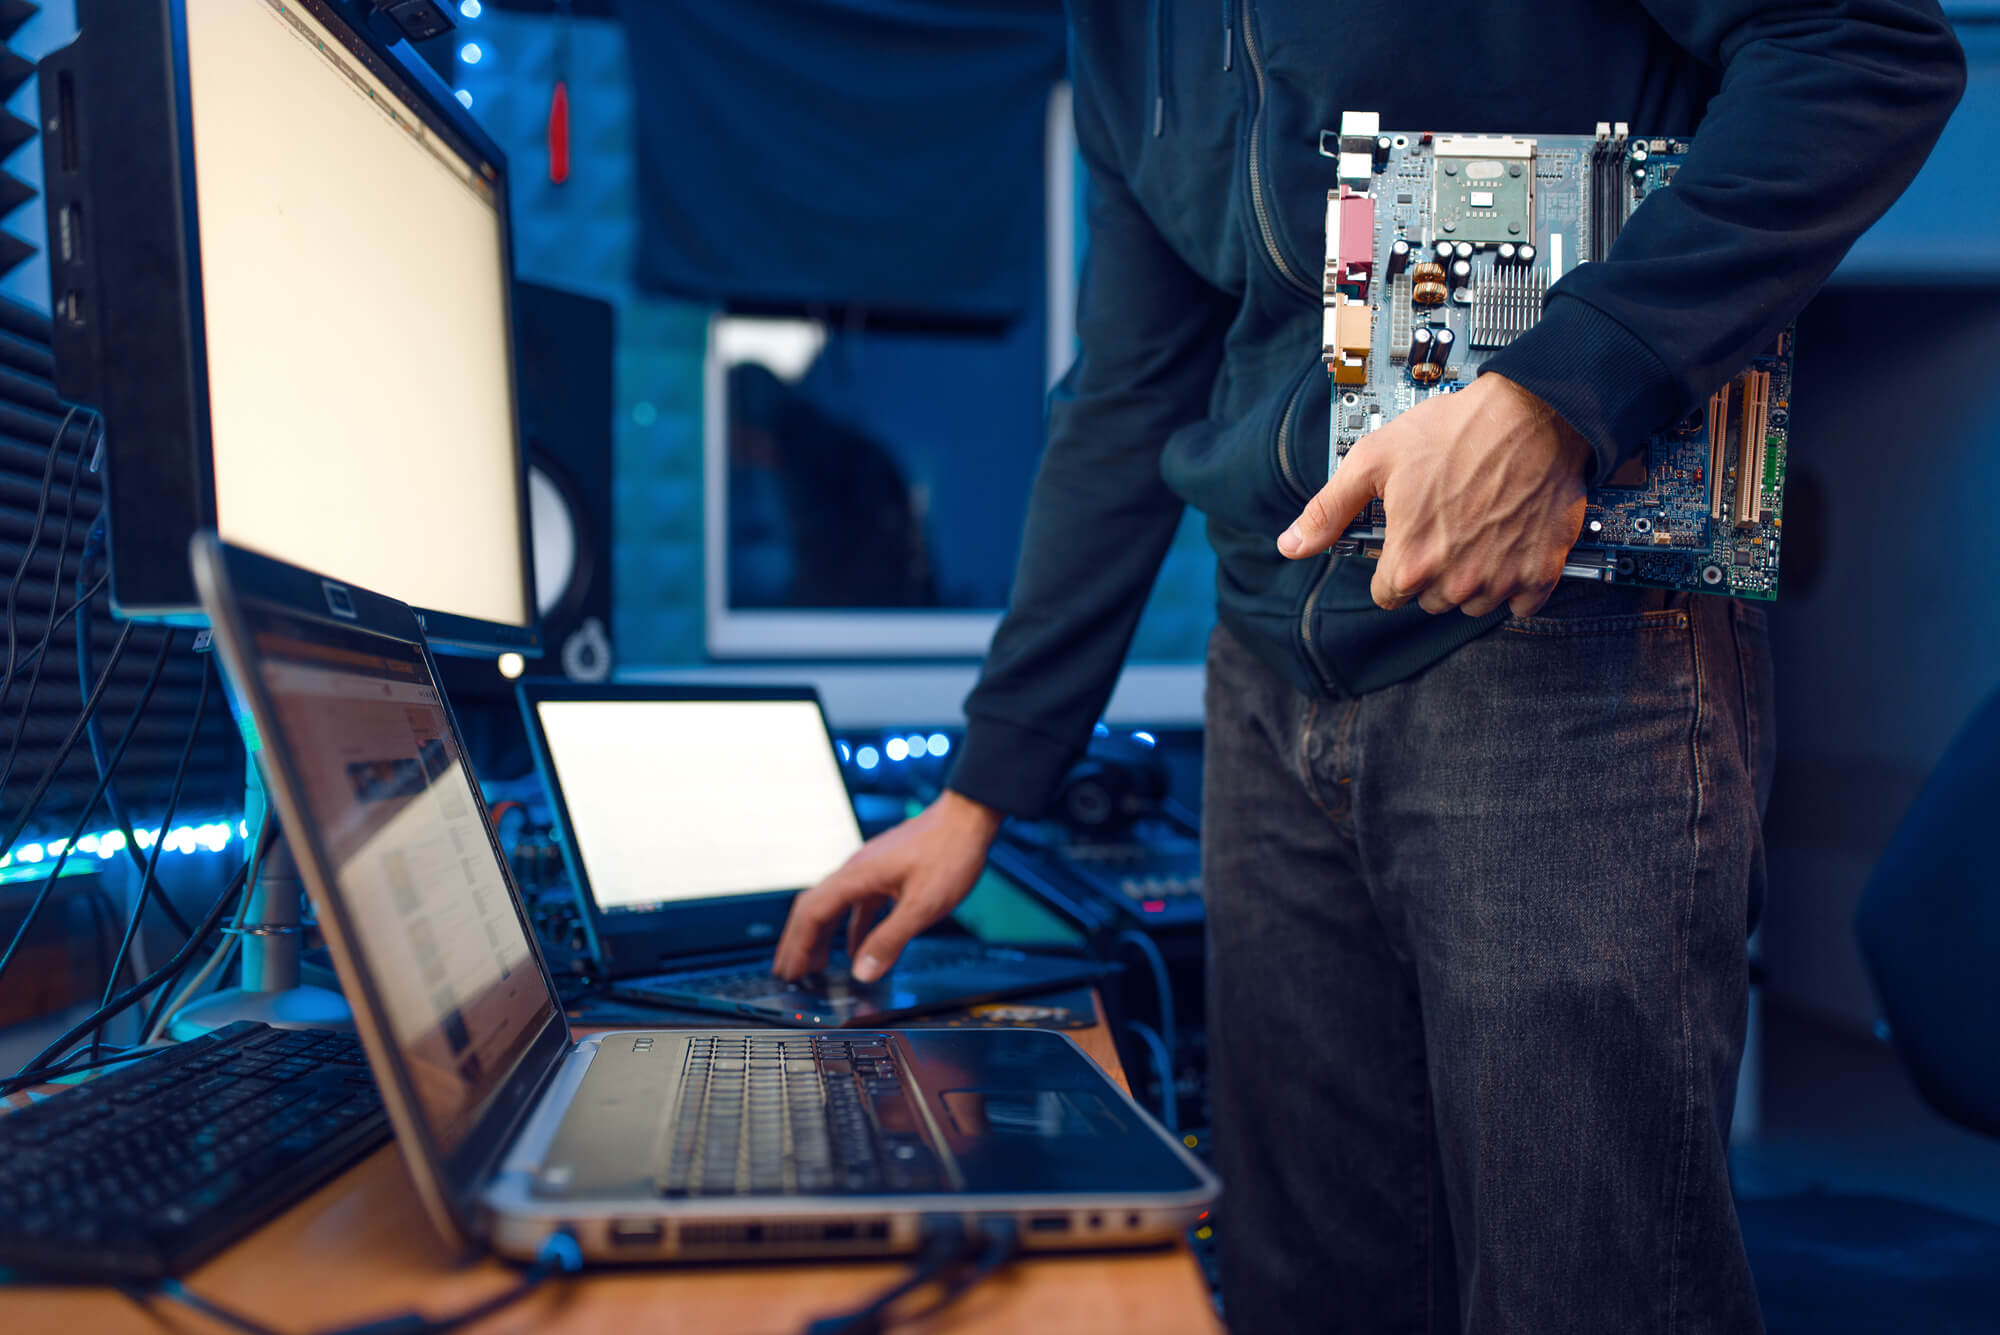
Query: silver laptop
[(645, 1145)]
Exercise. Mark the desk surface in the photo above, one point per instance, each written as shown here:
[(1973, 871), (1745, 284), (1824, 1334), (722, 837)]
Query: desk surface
[(361, 1247)]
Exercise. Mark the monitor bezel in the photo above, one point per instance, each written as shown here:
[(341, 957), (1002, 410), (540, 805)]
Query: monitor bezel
[(449, 1184), (141, 358), (629, 943)]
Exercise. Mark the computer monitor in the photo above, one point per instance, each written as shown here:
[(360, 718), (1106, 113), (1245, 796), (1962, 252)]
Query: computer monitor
[(281, 269)]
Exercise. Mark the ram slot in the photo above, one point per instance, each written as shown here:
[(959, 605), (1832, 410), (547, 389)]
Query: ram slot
[(1607, 195), (1756, 389), (1718, 441)]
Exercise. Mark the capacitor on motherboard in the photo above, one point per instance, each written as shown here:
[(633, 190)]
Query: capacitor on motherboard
[(1525, 253), (1461, 272), (1441, 341), (1427, 284), (1399, 256), (1382, 146), (1447, 251), (1505, 254), (1420, 345)]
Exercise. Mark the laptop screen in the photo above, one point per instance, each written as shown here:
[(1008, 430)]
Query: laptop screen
[(434, 920), (675, 800)]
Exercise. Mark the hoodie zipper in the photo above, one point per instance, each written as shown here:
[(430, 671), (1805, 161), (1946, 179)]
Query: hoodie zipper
[(1306, 621), (1257, 205)]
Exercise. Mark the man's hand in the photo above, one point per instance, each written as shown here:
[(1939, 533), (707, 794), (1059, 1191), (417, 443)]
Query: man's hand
[(1482, 492), (924, 867)]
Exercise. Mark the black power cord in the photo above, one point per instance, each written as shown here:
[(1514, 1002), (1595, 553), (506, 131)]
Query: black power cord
[(34, 541), (55, 600), (92, 546), (947, 1246), (44, 1063), (134, 923), (559, 1255), (55, 766)]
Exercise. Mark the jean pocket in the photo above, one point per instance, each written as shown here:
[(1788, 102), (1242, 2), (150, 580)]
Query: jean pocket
[(1623, 623)]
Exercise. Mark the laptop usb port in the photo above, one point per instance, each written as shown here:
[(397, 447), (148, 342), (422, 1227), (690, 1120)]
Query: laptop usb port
[(1048, 1223), (637, 1232)]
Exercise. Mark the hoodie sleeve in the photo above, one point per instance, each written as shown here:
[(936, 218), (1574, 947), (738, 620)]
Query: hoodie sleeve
[(1100, 519), (1825, 112)]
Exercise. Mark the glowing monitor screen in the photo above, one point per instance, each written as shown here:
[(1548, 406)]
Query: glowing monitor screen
[(688, 799), (354, 292)]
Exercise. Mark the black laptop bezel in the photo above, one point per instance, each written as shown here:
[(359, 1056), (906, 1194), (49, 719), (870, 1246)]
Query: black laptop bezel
[(240, 577), (630, 944)]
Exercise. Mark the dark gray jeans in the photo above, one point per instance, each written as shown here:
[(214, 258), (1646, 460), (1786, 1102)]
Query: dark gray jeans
[(1477, 980)]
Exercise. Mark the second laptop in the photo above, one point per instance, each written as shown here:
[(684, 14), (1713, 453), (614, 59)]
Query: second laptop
[(691, 816)]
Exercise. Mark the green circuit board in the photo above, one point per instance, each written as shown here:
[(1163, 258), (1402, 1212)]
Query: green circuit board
[(1440, 250)]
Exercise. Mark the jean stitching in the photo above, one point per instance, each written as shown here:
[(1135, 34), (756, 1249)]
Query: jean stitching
[(1306, 776), (1430, 1218), (1681, 983), (1558, 626)]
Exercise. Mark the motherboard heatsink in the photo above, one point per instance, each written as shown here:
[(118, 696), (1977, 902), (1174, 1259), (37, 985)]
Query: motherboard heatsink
[(1440, 251)]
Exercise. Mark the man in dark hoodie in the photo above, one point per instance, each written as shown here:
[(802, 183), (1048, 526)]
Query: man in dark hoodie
[(1480, 850)]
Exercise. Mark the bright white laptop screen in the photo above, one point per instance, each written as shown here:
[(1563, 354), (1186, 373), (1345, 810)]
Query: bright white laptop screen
[(354, 292), (673, 800)]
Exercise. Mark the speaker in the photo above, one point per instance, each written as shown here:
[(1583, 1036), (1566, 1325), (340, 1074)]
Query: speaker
[(563, 350)]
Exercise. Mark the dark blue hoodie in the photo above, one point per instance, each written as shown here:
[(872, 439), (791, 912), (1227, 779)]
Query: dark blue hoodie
[(1200, 382)]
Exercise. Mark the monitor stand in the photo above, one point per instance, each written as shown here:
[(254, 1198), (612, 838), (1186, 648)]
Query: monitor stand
[(270, 990)]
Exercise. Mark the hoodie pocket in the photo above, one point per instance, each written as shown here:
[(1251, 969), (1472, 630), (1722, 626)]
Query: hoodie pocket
[(1254, 473)]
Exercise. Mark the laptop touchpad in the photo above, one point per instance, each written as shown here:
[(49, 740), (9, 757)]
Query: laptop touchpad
[(1041, 1113)]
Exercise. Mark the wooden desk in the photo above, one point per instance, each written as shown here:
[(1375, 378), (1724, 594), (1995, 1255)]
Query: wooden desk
[(361, 1247)]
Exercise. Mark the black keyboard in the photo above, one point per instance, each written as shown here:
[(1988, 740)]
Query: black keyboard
[(149, 1170), (740, 984), (799, 1115)]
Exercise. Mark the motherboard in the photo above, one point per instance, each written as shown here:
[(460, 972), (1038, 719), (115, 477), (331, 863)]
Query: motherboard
[(1440, 249)]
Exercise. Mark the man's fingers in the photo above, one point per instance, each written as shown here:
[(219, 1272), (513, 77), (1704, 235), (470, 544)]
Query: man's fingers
[(1529, 601), (1328, 513), (815, 912), (912, 914), (1435, 600)]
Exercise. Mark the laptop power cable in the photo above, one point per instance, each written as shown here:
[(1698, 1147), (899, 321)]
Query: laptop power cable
[(559, 1255), (949, 1254)]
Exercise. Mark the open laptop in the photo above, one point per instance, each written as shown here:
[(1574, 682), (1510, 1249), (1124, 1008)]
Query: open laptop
[(691, 816), (646, 1145)]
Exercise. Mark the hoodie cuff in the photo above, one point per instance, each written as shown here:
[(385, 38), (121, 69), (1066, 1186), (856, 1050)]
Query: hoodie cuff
[(1009, 767), (1604, 382)]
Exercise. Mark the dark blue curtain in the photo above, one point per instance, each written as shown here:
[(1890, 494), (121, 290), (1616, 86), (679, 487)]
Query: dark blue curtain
[(876, 154)]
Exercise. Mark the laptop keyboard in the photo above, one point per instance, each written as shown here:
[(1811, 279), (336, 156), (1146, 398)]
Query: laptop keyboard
[(755, 981), (799, 1115)]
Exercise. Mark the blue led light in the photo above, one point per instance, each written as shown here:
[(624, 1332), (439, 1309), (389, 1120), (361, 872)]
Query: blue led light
[(470, 9), (846, 752), (867, 757), (29, 852), (87, 844), (470, 53), (243, 829), (1145, 739), (896, 749), (56, 847), (1099, 730), (939, 743), (918, 744), (464, 96)]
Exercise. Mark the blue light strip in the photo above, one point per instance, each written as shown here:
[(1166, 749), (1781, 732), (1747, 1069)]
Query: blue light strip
[(212, 837)]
